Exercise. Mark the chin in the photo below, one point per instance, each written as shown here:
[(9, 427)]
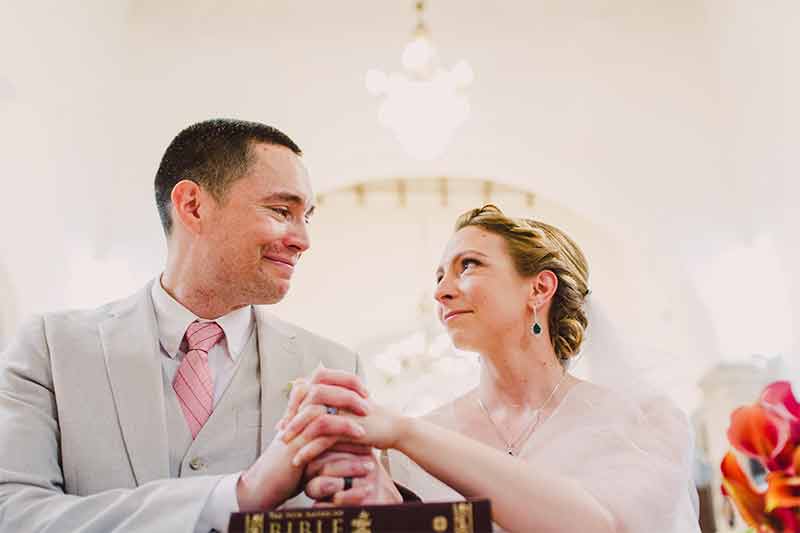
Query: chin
[(462, 341), (271, 293)]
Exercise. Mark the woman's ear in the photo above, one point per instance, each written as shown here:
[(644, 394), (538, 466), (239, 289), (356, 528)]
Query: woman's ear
[(543, 287)]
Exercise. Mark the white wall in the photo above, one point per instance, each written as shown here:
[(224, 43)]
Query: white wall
[(669, 125)]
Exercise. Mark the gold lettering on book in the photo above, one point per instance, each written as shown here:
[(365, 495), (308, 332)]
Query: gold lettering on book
[(361, 523), (462, 518), (254, 523), (439, 523), (338, 525)]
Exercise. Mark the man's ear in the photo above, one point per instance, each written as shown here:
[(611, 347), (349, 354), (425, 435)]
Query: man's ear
[(186, 199), (543, 287)]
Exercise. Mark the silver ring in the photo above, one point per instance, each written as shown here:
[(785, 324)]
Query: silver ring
[(331, 410), (348, 482)]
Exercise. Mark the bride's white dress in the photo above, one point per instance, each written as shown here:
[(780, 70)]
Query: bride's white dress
[(633, 455)]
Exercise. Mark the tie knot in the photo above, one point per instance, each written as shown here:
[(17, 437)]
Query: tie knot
[(203, 335)]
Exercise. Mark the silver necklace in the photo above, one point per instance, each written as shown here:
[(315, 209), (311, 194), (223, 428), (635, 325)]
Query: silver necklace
[(513, 444)]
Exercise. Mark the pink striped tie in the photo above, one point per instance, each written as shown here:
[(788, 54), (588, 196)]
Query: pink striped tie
[(193, 383)]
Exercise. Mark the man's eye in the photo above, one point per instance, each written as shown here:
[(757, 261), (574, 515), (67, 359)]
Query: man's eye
[(282, 211)]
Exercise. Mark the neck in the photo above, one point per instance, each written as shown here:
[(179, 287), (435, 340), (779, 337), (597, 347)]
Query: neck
[(520, 379), (195, 288)]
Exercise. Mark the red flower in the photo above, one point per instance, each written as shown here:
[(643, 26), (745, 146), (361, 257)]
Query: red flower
[(770, 432), (770, 429)]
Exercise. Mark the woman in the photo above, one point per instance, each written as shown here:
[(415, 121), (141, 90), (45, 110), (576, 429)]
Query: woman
[(552, 452)]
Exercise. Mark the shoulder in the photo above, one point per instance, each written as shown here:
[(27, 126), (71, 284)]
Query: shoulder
[(647, 417), (74, 331), (76, 322), (445, 415)]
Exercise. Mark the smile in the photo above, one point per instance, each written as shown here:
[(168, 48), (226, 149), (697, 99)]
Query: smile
[(284, 264), (453, 314)]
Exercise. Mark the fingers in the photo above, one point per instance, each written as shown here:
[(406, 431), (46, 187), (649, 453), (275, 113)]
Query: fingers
[(348, 393), (301, 421), (296, 396), (352, 448), (327, 426), (339, 465), (314, 421), (354, 496), (339, 378), (323, 487), (335, 396), (321, 436)]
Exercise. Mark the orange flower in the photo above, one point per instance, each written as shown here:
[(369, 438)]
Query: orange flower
[(737, 487), (782, 491), (758, 432), (770, 429)]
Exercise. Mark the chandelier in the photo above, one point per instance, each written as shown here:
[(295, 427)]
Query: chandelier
[(425, 103)]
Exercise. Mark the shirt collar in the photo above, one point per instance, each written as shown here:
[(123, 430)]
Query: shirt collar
[(172, 320)]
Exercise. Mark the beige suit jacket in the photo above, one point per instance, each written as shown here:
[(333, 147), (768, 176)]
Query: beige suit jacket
[(83, 436)]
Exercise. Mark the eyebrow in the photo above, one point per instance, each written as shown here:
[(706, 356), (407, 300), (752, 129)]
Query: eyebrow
[(440, 270), (289, 198)]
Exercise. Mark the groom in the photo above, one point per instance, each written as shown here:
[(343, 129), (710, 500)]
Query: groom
[(157, 412)]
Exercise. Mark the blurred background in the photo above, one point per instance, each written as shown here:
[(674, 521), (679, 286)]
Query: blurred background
[(662, 135)]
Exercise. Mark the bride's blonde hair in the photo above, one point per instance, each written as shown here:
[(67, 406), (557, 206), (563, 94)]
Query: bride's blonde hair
[(535, 246)]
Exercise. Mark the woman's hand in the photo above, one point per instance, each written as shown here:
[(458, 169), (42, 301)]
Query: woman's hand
[(310, 426), (330, 388)]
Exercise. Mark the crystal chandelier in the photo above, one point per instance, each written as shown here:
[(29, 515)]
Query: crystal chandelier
[(425, 103)]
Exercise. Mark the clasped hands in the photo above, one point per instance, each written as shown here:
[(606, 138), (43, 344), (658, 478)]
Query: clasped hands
[(325, 446)]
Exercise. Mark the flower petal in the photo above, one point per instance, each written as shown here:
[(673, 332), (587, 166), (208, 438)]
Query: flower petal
[(778, 396), (786, 520), (758, 433), (782, 492), (737, 487)]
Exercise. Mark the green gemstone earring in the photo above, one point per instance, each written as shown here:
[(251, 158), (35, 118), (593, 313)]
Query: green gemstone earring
[(536, 328)]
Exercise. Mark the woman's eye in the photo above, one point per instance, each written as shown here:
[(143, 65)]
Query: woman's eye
[(466, 263)]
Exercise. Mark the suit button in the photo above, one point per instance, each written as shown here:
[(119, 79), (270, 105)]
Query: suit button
[(196, 464)]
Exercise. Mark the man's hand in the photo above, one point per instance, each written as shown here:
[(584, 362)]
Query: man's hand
[(370, 482), (273, 478)]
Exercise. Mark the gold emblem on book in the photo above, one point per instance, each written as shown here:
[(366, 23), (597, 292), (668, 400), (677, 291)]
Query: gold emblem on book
[(462, 518), (361, 523), (440, 523), (254, 523)]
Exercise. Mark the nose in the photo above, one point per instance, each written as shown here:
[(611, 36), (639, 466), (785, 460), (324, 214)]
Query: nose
[(297, 237), (445, 290)]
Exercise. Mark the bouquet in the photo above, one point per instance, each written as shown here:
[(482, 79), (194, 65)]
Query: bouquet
[(768, 431)]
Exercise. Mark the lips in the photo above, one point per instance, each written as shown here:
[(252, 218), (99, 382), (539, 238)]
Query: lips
[(450, 314), (289, 263)]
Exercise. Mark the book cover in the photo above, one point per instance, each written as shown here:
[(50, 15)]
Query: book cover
[(470, 516)]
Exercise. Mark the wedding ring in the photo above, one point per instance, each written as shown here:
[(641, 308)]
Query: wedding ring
[(331, 410), (348, 482)]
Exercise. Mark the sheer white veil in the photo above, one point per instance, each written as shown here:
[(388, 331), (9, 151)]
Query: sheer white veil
[(607, 358)]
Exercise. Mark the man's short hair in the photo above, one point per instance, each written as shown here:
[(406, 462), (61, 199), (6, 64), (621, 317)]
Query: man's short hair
[(213, 154)]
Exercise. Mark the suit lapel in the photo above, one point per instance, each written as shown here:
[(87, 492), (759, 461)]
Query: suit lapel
[(280, 363), (131, 350)]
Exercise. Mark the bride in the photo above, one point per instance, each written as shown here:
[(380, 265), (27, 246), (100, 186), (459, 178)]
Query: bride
[(551, 452)]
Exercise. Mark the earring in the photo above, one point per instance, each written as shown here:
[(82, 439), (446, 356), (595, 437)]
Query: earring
[(536, 328)]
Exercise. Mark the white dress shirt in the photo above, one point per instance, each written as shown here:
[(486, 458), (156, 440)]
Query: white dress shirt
[(172, 320)]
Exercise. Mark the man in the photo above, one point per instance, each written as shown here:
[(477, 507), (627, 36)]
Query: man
[(157, 412)]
